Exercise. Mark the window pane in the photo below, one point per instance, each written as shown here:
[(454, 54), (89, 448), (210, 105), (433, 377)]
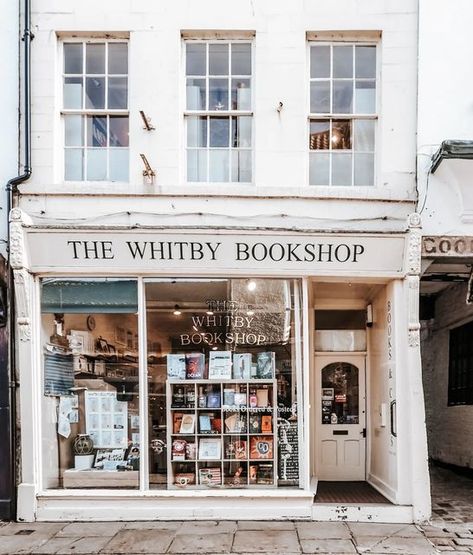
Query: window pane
[(96, 164), (320, 61), (365, 61), (342, 61), (341, 169), (95, 92), (241, 166), (73, 130), (197, 131), (241, 94), (95, 58), (241, 59), (195, 59), (118, 58), (241, 131), (341, 134), (73, 163), (364, 169), (117, 92), (320, 97), (218, 94), (119, 132), (319, 168), (119, 164), (97, 131), (364, 134), (72, 58), (73, 93), (365, 97), (342, 97), (219, 165), (219, 132), (195, 94), (319, 138), (218, 59), (197, 165)]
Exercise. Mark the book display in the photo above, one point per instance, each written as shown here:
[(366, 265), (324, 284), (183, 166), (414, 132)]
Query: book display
[(222, 432)]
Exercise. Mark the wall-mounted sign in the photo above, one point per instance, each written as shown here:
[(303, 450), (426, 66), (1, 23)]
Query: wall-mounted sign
[(209, 252), (444, 246)]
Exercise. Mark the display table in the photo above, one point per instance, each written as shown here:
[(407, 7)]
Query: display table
[(100, 478)]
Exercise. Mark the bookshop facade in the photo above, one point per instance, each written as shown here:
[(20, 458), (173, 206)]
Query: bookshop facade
[(175, 374)]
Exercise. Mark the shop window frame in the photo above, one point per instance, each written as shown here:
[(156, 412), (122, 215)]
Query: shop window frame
[(460, 365)]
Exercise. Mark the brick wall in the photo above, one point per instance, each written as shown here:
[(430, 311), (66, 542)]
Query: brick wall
[(449, 429)]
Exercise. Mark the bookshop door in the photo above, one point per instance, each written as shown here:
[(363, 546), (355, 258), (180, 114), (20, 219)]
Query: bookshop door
[(340, 417)]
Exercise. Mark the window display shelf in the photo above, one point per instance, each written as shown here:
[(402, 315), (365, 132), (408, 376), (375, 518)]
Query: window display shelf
[(219, 457)]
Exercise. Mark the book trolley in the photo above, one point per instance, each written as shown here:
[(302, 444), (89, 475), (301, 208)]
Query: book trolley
[(221, 433)]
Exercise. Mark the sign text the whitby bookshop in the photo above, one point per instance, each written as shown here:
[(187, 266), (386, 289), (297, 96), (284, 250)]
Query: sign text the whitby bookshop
[(143, 250)]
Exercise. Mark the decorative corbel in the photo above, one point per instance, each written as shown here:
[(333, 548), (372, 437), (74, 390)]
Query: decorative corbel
[(22, 281), (413, 277), (17, 240)]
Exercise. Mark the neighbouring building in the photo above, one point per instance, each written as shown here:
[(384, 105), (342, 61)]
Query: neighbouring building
[(217, 263), (445, 164)]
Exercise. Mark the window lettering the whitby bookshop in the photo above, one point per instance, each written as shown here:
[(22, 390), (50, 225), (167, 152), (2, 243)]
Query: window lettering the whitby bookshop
[(208, 251)]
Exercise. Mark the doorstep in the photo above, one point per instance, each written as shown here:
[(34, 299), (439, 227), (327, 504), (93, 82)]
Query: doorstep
[(366, 512)]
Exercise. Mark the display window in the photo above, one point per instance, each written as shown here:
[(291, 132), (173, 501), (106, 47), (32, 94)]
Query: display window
[(222, 362)]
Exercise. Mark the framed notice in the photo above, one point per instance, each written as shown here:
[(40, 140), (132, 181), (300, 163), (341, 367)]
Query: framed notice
[(106, 419)]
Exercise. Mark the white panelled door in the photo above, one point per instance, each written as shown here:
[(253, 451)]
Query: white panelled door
[(341, 417)]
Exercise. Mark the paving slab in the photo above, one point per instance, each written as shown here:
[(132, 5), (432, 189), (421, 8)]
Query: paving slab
[(88, 546), (266, 541), (383, 530), (437, 532), (140, 541), (340, 547), (154, 525), (266, 525), (90, 529), (202, 543), (323, 531), (54, 545), (37, 528), (207, 527), (395, 545), (20, 544)]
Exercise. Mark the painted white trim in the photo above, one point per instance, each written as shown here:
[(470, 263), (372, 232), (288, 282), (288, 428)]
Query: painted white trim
[(382, 487), (398, 514)]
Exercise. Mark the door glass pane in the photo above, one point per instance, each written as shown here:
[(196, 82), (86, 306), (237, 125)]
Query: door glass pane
[(73, 58), (342, 61), (320, 61), (340, 394), (95, 58)]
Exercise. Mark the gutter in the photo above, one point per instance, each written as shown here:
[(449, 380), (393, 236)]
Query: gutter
[(461, 150)]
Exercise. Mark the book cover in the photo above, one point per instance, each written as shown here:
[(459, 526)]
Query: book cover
[(187, 424), (228, 397), (241, 366), (266, 424), (235, 423), (255, 423), (210, 449), (220, 365), (176, 367), (266, 365), (235, 449), (205, 425), (213, 400), (191, 451), (262, 396), (176, 422), (261, 447), (195, 366), (179, 450)]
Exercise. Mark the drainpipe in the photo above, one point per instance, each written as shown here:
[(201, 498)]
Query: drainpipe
[(8, 371)]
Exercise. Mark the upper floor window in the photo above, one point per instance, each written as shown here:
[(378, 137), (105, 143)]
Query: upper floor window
[(460, 366), (95, 111), (342, 114), (219, 113)]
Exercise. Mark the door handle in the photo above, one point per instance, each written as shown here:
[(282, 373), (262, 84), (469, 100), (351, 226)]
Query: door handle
[(392, 411), (363, 432)]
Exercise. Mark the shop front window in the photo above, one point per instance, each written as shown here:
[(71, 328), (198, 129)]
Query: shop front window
[(89, 336), (222, 366)]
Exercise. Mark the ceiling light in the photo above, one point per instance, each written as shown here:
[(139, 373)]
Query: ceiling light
[(176, 311), (251, 285), (209, 313), (250, 312)]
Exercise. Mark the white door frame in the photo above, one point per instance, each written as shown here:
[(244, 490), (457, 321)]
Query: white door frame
[(359, 359)]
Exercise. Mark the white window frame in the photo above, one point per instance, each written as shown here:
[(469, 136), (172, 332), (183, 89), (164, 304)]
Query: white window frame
[(217, 113), (85, 112), (330, 116)]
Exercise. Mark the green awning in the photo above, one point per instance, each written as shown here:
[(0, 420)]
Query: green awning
[(89, 296)]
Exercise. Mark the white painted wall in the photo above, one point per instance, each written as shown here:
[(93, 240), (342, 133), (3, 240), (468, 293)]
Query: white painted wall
[(445, 111), (280, 141), (8, 110)]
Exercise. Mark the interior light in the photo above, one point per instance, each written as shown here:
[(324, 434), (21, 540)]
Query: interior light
[(214, 348), (250, 312), (251, 285), (209, 313), (176, 311)]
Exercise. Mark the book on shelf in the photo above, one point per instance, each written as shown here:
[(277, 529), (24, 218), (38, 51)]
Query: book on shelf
[(210, 476), (213, 400), (176, 367), (210, 449), (241, 366), (266, 365), (176, 422), (191, 451), (266, 424), (265, 474), (179, 450), (216, 424), (235, 449), (228, 397), (240, 399), (254, 423), (187, 424), (205, 424), (220, 365), (261, 447), (235, 423), (195, 366), (262, 396)]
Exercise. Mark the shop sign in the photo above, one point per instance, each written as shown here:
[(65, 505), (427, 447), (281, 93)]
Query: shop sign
[(448, 246), (137, 251)]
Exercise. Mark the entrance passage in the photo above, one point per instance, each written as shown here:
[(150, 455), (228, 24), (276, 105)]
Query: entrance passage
[(348, 492), (341, 417)]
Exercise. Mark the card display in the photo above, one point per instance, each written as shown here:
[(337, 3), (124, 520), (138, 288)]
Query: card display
[(106, 419), (220, 365)]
